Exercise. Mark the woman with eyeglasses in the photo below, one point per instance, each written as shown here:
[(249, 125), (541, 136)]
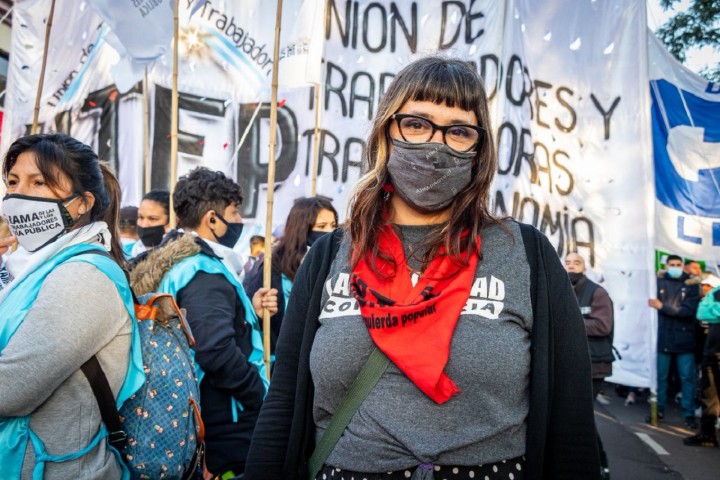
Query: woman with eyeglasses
[(430, 339)]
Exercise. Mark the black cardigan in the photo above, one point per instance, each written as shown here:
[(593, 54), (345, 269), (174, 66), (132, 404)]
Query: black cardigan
[(561, 440)]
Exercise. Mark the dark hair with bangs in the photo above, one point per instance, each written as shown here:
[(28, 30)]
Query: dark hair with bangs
[(450, 82), (203, 190), (57, 155), (292, 246), (440, 80)]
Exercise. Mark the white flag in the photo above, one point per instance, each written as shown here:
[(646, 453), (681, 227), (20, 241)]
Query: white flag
[(140, 30), (144, 28), (301, 43)]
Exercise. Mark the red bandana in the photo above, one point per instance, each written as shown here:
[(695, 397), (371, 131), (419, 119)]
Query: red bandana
[(413, 326)]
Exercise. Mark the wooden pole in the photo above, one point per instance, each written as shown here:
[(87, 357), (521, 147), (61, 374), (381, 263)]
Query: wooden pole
[(316, 134), (7, 14), (233, 159), (146, 146), (316, 143), (174, 114), (48, 28), (267, 263)]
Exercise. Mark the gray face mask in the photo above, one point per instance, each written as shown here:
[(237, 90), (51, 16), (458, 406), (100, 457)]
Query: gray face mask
[(428, 176)]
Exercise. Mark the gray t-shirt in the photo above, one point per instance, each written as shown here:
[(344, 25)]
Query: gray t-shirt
[(398, 426)]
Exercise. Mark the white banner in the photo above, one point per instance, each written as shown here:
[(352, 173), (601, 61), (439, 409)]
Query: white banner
[(302, 38), (569, 99), (576, 160)]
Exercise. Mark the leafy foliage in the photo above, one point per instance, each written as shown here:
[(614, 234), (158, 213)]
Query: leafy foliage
[(698, 26)]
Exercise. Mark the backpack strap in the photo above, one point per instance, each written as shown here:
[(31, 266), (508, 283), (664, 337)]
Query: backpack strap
[(366, 380), (105, 253), (100, 385), (106, 402)]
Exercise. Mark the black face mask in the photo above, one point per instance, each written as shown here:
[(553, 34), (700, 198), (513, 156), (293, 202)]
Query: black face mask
[(151, 237), (232, 234), (314, 236), (575, 277)]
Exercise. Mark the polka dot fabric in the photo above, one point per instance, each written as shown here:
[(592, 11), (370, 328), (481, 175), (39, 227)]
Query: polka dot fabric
[(513, 469)]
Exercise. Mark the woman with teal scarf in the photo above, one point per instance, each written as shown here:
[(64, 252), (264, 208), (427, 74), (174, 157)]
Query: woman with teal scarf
[(64, 304)]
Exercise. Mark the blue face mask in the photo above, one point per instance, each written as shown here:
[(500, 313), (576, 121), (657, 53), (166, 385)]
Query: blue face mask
[(674, 272)]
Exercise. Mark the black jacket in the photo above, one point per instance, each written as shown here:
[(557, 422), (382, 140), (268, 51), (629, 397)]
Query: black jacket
[(561, 439), (676, 318), (222, 347), (597, 311)]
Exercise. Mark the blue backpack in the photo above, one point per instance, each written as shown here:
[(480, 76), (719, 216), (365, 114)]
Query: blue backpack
[(157, 431)]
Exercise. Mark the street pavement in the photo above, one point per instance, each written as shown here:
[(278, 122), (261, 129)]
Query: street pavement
[(639, 451)]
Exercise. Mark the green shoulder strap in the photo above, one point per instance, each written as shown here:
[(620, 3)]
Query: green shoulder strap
[(371, 372)]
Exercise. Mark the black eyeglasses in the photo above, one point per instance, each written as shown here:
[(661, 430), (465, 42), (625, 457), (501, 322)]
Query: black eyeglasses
[(460, 137)]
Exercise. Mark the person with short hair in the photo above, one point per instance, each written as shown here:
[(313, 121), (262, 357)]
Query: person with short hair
[(128, 229), (257, 245), (202, 270), (597, 311), (676, 303), (485, 371), (692, 268), (598, 316), (257, 250)]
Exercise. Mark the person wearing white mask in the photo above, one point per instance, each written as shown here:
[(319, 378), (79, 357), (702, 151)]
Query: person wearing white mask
[(676, 303), (67, 301), (200, 267)]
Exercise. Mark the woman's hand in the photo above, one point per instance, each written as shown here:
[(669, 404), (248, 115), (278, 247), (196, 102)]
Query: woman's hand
[(265, 299), (7, 242)]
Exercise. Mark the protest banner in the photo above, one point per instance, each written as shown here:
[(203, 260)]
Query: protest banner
[(570, 99)]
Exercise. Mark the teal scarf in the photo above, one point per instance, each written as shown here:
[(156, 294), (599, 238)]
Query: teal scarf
[(183, 272)]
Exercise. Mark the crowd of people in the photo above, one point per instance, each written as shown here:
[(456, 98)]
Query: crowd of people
[(687, 315), (688, 342), (387, 333)]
